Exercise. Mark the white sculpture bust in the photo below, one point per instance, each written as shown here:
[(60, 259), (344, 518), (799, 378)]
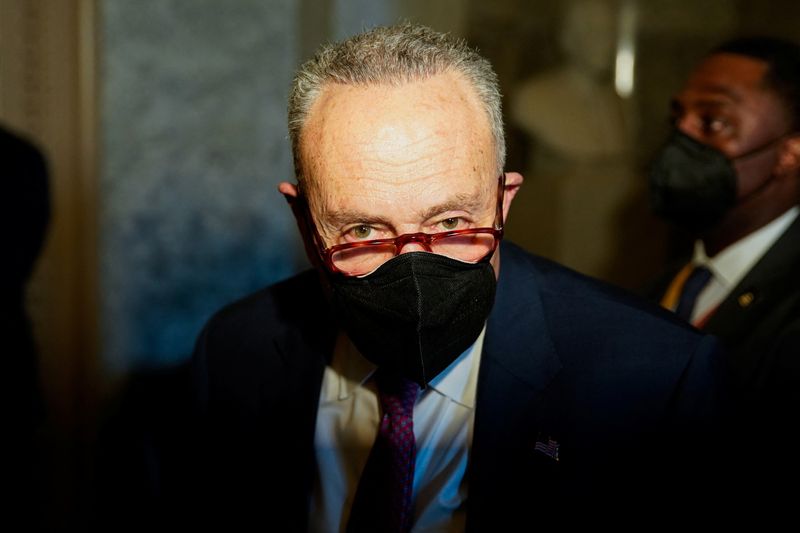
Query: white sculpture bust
[(573, 110)]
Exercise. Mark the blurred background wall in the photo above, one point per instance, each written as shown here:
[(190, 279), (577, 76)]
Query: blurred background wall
[(163, 122), (193, 140)]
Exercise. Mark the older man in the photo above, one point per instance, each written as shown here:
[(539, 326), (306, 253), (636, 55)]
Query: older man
[(415, 381)]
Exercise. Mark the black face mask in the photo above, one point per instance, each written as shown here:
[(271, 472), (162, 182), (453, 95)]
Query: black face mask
[(692, 184), (417, 313)]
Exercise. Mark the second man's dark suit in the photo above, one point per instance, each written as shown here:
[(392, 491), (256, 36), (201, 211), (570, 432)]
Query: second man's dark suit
[(759, 325), (628, 395)]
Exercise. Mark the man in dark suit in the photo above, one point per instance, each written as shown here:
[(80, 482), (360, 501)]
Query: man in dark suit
[(411, 381), (25, 217), (731, 174)]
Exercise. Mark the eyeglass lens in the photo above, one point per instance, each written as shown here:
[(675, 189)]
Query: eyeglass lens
[(469, 248)]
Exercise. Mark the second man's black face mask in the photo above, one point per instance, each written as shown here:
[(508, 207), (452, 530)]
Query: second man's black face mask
[(417, 313), (691, 184)]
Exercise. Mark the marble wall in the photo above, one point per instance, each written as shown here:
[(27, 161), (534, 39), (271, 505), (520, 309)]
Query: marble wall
[(194, 143)]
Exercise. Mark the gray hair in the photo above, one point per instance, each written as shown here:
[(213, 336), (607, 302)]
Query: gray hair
[(393, 55)]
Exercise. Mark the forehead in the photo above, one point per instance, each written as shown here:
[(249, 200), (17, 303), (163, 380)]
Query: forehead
[(397, 140), (728, 78)]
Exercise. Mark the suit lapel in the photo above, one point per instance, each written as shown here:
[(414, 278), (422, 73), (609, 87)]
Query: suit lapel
[(304, 346), (518, 362), (754, 296), (289, 404)]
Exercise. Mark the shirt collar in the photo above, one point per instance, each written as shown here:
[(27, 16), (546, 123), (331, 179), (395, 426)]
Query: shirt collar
[(352, 368), (731, 264), (458, 381)]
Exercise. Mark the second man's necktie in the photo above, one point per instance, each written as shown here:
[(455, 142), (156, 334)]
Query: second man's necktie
[(692, 288)]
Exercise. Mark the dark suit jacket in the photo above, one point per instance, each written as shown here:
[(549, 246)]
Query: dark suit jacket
[(23, 218), (759, 325), (628, 393)]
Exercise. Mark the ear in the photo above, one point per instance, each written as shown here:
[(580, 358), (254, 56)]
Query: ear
[(292, 194), (789, 158), (513, 183), (288, 190)]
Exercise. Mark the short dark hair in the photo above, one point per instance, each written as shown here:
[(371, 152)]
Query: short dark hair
[(783, 67)]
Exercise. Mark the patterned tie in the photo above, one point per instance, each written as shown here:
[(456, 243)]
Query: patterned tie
[(383, 498), (691, 290)]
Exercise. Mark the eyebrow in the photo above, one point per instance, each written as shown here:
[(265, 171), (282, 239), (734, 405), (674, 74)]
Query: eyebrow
[(460, 202), (705, 104), (349, 216), (718, 90), (717, 95)]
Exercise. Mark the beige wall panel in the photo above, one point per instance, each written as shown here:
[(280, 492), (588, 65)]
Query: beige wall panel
[(47, 95)]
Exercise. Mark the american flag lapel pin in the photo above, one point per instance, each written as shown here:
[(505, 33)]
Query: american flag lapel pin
[(546, 445)]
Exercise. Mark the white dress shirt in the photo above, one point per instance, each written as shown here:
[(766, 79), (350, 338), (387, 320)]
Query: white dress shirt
[(347, 425), (730, 265)]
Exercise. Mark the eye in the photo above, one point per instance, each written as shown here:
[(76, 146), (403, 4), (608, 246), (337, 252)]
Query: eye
[(449, 224), (713, 125), (360, 232)]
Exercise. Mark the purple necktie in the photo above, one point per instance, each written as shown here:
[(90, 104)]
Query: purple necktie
[(383, 497)]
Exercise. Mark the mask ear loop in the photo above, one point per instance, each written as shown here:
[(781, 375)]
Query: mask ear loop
[(499, 223), (754, 152), (312, 241), (308, 230)]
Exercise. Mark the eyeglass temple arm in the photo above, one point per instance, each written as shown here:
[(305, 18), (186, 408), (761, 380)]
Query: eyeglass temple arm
[(309, 234)]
